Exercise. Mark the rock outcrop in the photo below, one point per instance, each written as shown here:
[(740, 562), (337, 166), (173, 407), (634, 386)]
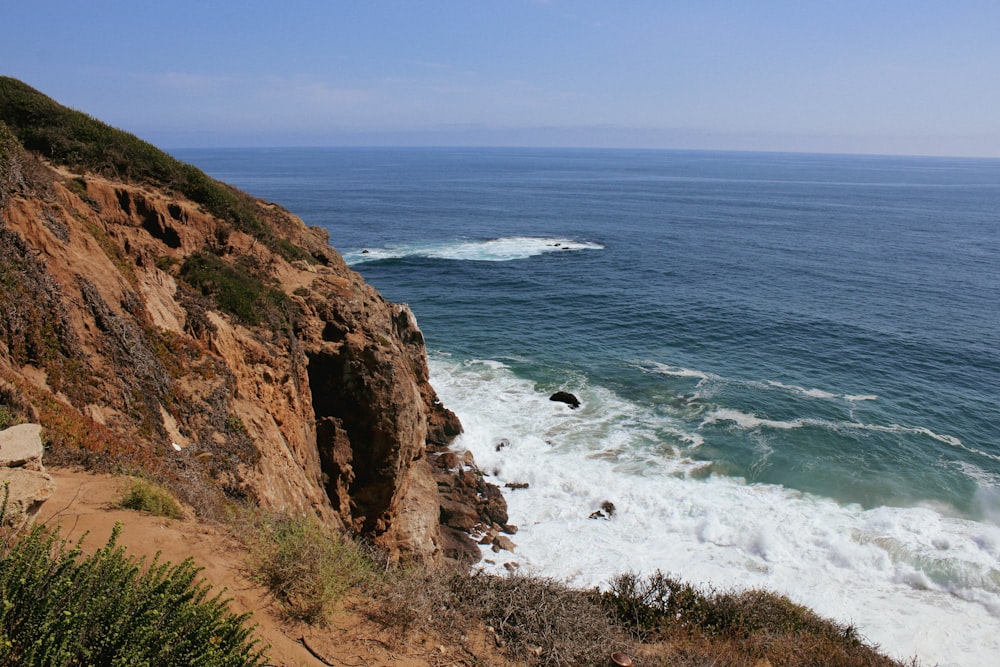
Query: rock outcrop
[(154, 319), (24, 484)]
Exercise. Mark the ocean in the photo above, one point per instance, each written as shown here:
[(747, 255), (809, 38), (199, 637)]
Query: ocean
[(788, 364)]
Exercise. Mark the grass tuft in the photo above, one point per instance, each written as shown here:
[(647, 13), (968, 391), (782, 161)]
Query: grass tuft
[(144, 496), (309, 567)]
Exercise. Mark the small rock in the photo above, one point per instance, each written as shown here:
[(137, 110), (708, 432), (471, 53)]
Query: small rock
[(503, 444), (509, 528), (606, 512), (516, 485), (511, 566), (503, 542)]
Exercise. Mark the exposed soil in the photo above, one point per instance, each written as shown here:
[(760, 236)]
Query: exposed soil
[(84, 504)]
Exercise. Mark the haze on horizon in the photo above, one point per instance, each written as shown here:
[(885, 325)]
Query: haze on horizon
[(889, 77)]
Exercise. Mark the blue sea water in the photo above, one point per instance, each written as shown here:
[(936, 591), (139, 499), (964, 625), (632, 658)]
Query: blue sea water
[(789, 364)]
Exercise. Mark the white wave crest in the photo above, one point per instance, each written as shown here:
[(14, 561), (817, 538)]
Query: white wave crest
[(504, 249), (704, 377), (748, 422)]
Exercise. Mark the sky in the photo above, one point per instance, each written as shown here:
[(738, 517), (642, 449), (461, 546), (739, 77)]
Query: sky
[(909, 77)]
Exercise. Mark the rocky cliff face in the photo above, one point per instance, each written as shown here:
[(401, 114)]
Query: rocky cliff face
[(145, 330)]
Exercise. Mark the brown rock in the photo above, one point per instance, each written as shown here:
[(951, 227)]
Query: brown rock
[(503, 542), (456, 545), (26, 491), (458, 514), (21, 447)]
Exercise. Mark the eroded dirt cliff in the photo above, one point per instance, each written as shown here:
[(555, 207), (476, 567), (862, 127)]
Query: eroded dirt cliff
[(241, 361)]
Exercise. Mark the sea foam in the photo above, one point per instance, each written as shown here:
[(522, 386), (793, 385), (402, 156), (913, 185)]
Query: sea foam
[(489, 250), (914, 580)]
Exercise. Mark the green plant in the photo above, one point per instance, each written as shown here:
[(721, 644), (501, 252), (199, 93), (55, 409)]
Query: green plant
[(5, 417), (308, 567), (61, 608), (143, 496), (237, 291)]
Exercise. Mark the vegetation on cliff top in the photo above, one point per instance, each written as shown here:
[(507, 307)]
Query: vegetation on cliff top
[(76, 140)]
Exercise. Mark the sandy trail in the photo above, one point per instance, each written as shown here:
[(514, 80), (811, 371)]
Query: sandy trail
[(84, 503)]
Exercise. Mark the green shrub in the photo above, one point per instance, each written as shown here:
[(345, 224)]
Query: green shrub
[(237, 291), (60, 608), (143, 496), (308, 567)]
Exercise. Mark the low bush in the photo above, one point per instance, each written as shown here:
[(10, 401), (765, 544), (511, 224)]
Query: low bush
[(307, 566), (696, 627), (144, 496), (540, 621), (535, 621), (60, 608)]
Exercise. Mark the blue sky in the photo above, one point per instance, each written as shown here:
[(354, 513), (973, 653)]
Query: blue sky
[(871, 76)]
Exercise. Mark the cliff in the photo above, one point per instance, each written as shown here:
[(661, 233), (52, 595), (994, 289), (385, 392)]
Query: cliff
[(154, 320)]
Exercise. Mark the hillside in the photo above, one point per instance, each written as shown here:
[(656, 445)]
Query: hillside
[(154, 320)]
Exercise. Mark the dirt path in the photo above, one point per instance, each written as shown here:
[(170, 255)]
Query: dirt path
[(84, 504)]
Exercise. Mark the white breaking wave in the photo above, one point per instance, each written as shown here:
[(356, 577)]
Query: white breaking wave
[(915, 580), (676, 371), (505, 249), (749, 422)]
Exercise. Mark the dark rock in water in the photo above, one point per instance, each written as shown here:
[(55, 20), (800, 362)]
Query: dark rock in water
[(516, 485), (567, 398), (606, 512), (503, 444)]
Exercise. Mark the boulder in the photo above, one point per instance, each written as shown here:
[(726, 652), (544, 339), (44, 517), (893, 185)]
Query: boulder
[(21, 447), (504, 543), (565, 397), (26, 491), (22, 478), (458, 514)]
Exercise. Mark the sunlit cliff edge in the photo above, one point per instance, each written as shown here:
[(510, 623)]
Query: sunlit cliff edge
[(154, 320)]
